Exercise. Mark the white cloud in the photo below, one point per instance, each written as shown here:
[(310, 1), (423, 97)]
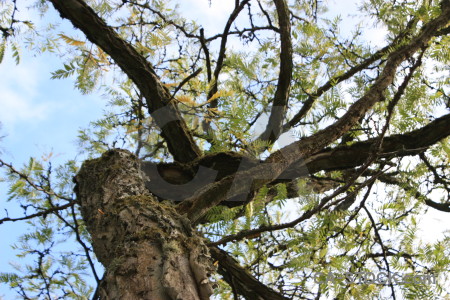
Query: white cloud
[(213, 17), (19, 108), (18, 91)]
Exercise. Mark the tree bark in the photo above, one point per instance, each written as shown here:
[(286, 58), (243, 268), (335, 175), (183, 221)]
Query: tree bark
[(161, 106), (241, 279), (148, 249), (176, 181), (198, 205)]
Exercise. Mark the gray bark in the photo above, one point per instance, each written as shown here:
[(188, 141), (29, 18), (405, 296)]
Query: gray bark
[(148, 249)]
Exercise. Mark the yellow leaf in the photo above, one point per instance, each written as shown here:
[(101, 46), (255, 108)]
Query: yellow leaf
[(218, 94), (186, 100), (71, 41), (213, 110), (102, 57), (47, 157), (134, 129), (143, 49)]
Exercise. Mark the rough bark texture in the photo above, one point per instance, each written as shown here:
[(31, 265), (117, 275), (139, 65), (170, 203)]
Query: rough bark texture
[(149, 251), (148, 247), (160, 104), (241, 279), (176, 181), (181, 181), (198, 205), (398, 145)]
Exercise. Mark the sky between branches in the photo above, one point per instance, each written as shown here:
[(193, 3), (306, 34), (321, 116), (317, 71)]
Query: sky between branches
[(41, 116)]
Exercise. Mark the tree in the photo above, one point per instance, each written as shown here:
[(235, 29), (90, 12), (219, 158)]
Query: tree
[(193, 204)]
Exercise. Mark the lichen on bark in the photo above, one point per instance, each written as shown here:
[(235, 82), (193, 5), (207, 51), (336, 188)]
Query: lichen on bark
[(149, 250)]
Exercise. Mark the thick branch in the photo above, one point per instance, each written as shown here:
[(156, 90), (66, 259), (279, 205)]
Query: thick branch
[(280, 101), (178, 182), (307, 105), (164, 111), (214, 193), (346, 157), (236, 276), (314, 143)]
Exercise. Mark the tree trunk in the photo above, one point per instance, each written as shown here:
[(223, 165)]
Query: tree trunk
[(148, 249)]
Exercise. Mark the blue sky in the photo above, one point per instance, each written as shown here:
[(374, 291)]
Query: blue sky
[(40, 115)]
